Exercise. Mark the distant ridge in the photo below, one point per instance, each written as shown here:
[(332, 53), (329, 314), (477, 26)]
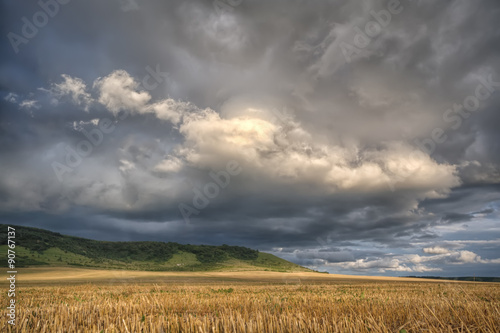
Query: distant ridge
[(39, 247), (461, 278)]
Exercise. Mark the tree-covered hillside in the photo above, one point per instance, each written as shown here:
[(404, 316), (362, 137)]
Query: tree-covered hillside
[(36, 247)]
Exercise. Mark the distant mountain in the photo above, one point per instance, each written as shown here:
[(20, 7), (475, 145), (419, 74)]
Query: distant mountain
[(37, 247), (462, 278)]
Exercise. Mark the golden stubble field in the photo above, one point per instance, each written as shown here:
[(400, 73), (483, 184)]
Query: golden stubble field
[(79, 300)]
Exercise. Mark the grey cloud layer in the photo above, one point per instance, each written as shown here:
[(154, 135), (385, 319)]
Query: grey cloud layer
[(328, 148)]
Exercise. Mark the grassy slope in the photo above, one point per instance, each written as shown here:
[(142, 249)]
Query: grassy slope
[(38, 247)]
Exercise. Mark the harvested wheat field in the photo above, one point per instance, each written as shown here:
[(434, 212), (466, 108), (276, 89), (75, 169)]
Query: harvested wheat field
[(260, 302)]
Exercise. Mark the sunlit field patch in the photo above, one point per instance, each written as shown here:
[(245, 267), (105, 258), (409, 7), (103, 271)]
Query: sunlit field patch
[(263, 302)]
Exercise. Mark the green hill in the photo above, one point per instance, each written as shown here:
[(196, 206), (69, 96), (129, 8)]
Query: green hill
[(37, 247)]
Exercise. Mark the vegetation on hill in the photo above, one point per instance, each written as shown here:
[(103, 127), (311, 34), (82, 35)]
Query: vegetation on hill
[(42, 247)]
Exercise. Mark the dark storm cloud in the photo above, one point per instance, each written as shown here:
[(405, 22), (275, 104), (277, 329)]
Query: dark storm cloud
[(325, 144)]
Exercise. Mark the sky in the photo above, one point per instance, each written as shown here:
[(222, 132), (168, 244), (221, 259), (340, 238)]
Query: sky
[(354, 137)]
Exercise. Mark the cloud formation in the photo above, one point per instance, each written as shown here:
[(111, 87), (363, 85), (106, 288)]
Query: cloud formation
[(348, 164)]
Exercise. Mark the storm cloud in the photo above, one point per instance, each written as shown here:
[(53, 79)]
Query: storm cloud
[(352, 137)]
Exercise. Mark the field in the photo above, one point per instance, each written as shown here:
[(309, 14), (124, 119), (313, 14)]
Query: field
[(82, 300)]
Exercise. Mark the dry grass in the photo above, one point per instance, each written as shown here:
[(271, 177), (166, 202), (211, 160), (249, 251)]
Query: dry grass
[(264, 302), (58, 275)]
